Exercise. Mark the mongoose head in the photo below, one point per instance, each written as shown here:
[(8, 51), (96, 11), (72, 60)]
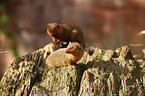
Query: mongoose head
[(74, 48), (54, 29)]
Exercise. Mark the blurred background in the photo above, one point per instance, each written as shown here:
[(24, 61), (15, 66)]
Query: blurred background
[(106, 24)]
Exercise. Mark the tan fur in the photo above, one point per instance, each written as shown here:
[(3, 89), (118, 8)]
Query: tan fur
[(65, 56), (65, 33)]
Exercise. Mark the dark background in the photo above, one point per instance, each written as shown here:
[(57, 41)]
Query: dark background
[(106, 24)]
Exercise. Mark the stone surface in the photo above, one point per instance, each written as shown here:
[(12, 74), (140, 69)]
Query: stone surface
[(99, 72), (24, 72), (112, 74), (62, 81)]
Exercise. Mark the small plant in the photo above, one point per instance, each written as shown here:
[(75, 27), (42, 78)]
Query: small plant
[(141, 58), (5, 33)]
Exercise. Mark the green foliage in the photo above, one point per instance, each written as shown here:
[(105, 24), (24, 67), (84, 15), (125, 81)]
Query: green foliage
[(3, 30), (1, 6), (14, 49), (137, 45), (139, 57), (142, 33), (11, 36), (4, 19), (143, 50)]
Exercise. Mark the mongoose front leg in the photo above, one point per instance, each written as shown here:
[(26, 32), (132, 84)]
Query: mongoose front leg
[(56, 40), (65, 56), (72, 65)]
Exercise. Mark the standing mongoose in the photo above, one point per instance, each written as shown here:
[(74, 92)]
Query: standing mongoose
[(65, 33), (65, 56)]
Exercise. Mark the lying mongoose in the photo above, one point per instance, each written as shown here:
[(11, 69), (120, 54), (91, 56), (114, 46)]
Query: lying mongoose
[(65, 33), (65, 56)]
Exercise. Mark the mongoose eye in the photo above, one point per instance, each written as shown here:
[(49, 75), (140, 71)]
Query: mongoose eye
[(78, 47), (70, 47), (51, 31)]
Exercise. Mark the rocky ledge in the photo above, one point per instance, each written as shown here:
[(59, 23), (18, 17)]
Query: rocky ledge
[(98, 73)]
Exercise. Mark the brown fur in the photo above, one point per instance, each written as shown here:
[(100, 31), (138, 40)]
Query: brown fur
[(65, 33), (65, 56)]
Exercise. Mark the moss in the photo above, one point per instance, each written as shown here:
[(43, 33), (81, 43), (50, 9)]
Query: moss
[(103, 72)]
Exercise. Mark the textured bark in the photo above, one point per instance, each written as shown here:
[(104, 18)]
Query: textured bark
[(99, 72)]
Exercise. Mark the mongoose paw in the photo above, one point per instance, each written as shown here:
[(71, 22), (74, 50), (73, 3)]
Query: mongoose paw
[(56, 41), (72, 66)]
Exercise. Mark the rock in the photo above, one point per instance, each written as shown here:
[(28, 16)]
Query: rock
[(58, 82), (112, 73), (103, 72)]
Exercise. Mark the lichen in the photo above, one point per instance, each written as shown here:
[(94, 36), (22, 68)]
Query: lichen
[(103, 72)]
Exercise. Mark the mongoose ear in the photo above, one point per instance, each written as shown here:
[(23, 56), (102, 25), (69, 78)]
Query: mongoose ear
[(57, 26), (78, 45), (69, 43), (47, 25)]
